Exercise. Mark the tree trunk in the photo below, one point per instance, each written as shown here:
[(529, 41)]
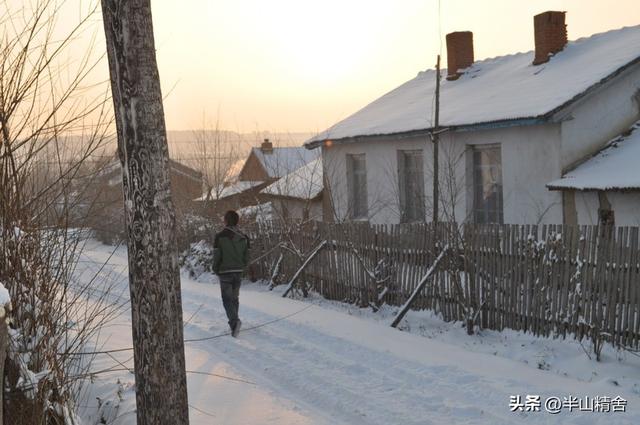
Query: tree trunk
[(156, 306)]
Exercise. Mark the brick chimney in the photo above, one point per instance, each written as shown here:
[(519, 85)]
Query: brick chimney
[(266, 146), (459, 52), (550, 34)]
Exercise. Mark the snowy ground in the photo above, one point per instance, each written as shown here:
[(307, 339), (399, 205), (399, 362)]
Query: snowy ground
[(319, 362)]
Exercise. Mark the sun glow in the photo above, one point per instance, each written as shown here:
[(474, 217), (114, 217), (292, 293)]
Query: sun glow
[(301, 65)]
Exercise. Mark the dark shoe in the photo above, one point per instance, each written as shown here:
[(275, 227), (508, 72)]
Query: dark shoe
[(236, 329)]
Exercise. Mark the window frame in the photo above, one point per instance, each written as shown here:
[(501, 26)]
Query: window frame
[(486, 215), (412, 205), (358, 206)]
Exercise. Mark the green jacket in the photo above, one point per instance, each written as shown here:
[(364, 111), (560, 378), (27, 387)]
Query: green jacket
[(230, 251)]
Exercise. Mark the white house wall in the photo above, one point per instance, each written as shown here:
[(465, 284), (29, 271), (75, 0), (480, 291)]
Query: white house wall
[(600, 116), (587, 205), (625, 205), (382, 176), (530, 159), (295, 208)]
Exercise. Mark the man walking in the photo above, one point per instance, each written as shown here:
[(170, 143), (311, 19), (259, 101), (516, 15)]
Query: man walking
[(230, 259)]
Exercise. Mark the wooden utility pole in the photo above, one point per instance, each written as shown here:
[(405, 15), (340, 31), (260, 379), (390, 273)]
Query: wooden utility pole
[(154, 279), (435, 138)]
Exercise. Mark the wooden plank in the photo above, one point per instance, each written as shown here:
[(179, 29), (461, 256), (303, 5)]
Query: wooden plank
[(633, 309), (567, 285), (415, 263), (590, 306), (623, 301), (513, 268), (578, 286), (498, 282), (517, 266), (543, 285), (618, 289), (472, 254), (587, 275), (605, 284)]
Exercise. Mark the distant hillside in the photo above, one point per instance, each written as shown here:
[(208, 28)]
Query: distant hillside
[(187, 146), (197, 149)]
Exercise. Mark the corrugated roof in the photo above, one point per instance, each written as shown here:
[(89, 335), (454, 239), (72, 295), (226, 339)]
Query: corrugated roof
[(613, 168), (495, 90)]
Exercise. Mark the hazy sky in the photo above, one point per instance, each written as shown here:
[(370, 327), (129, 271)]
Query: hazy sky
[(301, 65)]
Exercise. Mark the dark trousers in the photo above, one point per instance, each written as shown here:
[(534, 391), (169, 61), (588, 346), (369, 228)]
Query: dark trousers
[(230, 290)]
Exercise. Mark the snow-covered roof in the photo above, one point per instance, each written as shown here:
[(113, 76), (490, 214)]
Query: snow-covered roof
[(613, 168), (229, 190), (233, 173), (499, 89), (282, 161), (303, 183), (114, 168)]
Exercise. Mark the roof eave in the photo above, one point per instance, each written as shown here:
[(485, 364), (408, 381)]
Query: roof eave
[(593, 189), (294, 198), (512, 122)]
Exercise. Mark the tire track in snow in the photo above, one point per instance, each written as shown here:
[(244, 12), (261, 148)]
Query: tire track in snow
[(361, 385), (357, 384)]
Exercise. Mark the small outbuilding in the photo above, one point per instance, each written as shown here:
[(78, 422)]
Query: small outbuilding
[(605, 189)]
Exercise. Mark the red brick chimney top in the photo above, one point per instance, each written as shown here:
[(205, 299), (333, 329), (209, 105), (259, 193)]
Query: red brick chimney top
[(550, 33), (266, 146), (459, 52)]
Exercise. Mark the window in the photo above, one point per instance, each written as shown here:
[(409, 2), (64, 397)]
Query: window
[(411, 182), (357, 185), (487, 184)]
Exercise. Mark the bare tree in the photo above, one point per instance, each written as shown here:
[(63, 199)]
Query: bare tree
[(215, 153), (50, 128), (156, 307)]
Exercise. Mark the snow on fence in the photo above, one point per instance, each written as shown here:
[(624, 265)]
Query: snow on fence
[(548, 280)]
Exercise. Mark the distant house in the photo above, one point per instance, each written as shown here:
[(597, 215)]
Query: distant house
[(606, 187), (511, 128), (107, 198), (298, 195), (246, 178), (186, 184)]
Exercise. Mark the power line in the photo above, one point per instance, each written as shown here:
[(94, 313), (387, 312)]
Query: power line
[(120, 350)]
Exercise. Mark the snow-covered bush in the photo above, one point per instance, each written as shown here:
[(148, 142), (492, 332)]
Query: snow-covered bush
[(261, 213), (192, 228), (197, 259), (54, 314)]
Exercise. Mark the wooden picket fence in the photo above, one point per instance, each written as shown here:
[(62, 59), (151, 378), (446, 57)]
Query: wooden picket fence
[(550, 280)]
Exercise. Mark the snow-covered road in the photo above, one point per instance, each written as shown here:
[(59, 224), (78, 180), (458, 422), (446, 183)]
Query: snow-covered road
[(310, 364)]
